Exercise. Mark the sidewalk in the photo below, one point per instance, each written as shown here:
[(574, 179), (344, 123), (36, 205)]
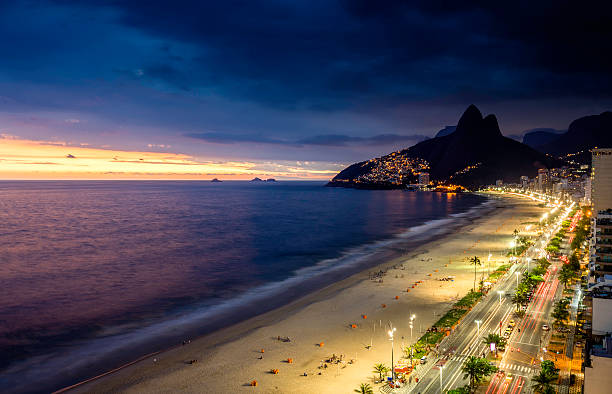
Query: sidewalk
[(564, 381)]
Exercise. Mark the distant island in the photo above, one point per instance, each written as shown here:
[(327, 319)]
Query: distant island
[(215, 180), (256, 179)]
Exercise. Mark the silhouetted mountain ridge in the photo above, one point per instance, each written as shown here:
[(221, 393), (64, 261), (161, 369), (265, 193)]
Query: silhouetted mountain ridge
[(583, 134), (538, 137), (475, 154)]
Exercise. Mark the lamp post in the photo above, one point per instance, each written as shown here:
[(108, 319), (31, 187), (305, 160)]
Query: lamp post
[(411, 325), (391, 332), (517, 276)]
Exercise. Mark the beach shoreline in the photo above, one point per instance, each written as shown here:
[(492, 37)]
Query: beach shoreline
[(330, 306), (116, 347)]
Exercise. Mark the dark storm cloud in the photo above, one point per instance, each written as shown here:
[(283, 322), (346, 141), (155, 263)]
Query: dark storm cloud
[(320, 140), (322, 55), (223, 138), (380, 139)]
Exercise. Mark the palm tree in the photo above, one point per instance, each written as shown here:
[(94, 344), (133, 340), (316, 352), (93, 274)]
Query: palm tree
[(380, 369), (409, 352), (565, 275), (471, 370), (541, 383), (475, 261), (518, 299), (498, 340), (364, 388), (549, 390), (560, 312), (549, 368), (476, 369)]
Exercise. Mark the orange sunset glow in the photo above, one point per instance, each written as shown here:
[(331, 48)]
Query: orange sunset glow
[(27, 159)]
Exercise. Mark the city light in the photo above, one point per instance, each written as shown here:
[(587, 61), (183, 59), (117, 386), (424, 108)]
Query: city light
[(391, 332)]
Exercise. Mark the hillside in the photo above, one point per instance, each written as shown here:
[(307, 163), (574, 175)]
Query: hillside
[(583, 134), (475, 154), (538, 137)]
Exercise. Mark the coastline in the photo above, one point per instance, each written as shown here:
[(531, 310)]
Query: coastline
[(228, 359)]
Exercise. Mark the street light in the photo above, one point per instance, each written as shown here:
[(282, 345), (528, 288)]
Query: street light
[(517, 276), (512, 245), (411, 319), (501, 293), (390, 332)]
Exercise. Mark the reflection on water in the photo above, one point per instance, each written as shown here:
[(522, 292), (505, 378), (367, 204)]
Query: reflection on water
[(84, 258)]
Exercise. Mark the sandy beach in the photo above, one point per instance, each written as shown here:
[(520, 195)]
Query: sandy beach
[(229, 359)]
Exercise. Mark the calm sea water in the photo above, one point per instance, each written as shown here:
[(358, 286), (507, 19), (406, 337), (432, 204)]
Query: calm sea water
[(88, 268)]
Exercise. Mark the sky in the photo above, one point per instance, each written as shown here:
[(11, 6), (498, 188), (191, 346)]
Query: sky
[(287, 89)]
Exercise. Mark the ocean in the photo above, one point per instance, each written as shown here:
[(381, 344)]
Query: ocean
[(96, 273)]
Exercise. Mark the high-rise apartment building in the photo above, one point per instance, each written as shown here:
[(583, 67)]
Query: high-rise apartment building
[(542, 179), (601, 196), (601, 183)]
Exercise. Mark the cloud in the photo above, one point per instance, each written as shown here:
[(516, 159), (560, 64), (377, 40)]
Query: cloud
[(343, 140), (361, 53), (223, 138), (28, 159), (321, 56), (337, 140), (546, 129)]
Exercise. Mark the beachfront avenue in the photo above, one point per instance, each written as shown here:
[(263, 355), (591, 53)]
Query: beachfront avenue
[(523, 353)]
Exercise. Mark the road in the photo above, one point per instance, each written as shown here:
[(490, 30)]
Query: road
[(521, 357), (528, 340)]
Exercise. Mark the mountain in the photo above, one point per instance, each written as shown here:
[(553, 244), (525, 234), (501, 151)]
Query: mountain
[(475, 154), (538, 137), (515, 137), (445, 131), (583, 134)]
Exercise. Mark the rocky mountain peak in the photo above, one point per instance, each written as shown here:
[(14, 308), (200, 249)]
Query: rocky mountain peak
[(473, 125)]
